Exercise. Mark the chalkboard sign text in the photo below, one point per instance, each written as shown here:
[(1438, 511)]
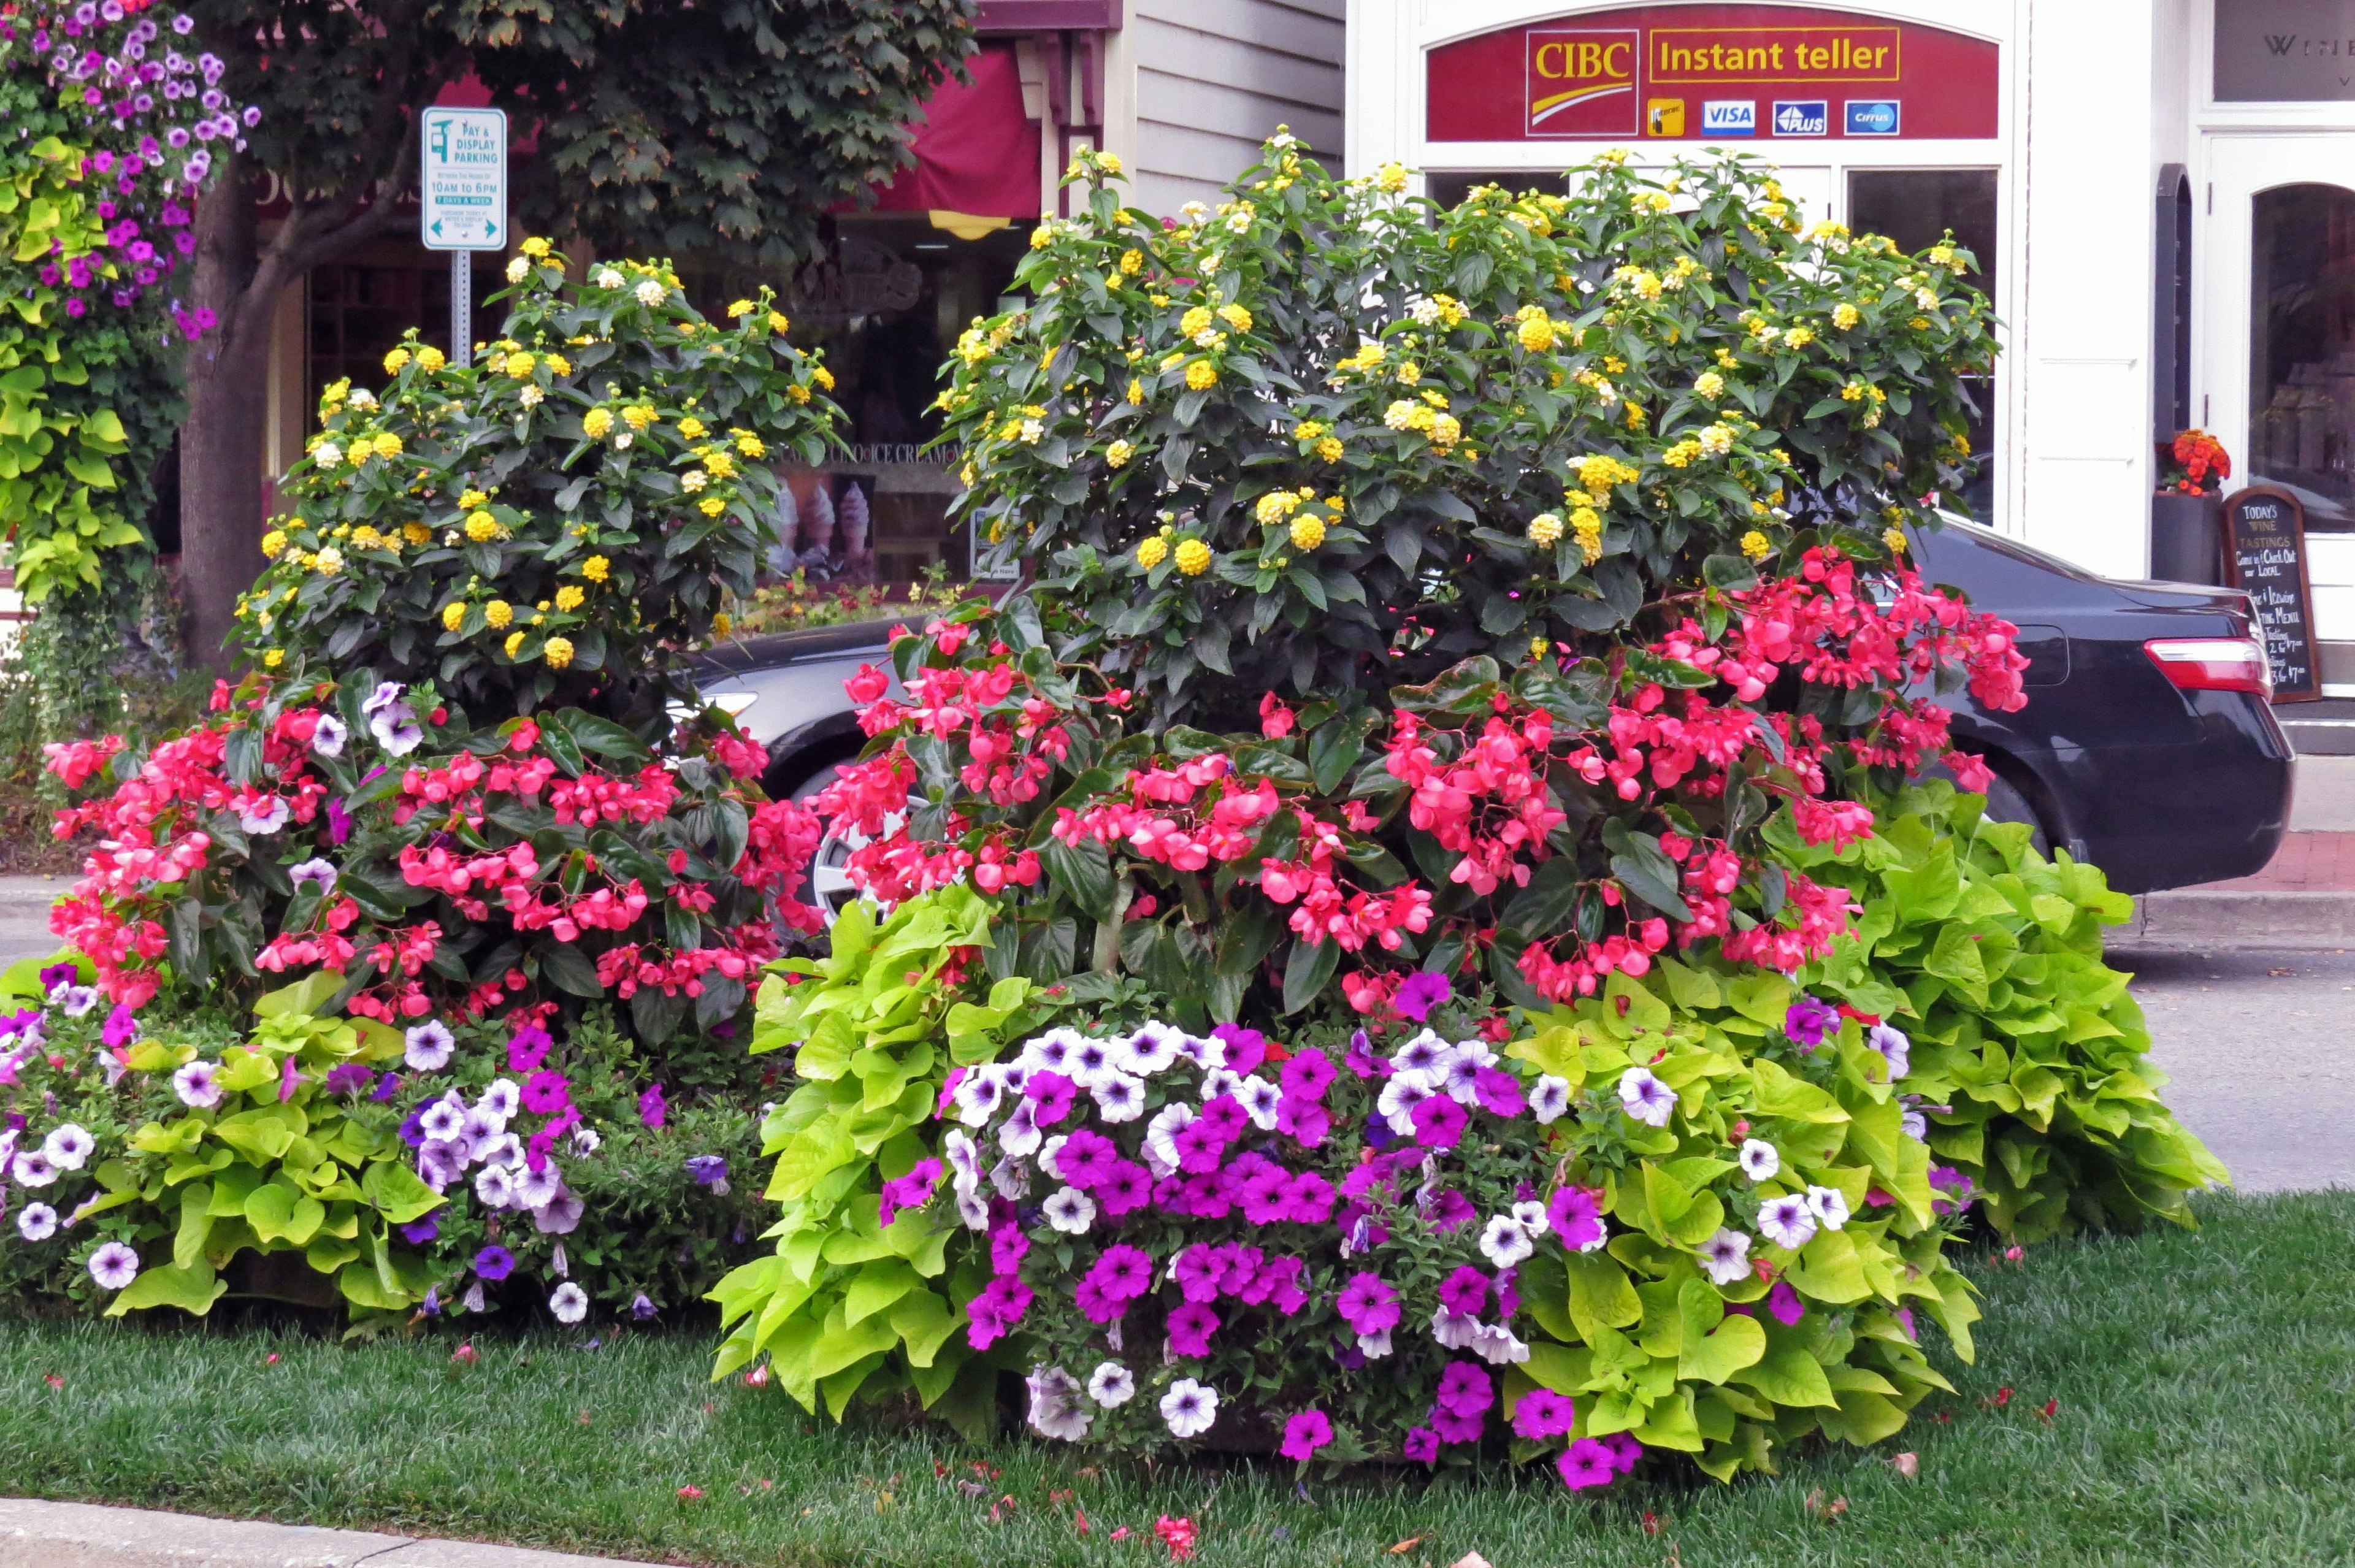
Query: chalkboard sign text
[(2265, 530)]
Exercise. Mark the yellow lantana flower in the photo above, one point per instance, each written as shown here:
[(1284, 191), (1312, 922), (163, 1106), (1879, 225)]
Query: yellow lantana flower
[(596, 568), (1202, 375), (1118, 454), (1545, 528), (596, 422), (1308, 532), (515, 641), (1151, 552), (453, 614), (273, 543), (569, 596), (395, 360), (740, 309), (1756, 545), (481, 528), (691, 428), (431, 358), (558, 651), (1193, 558), (498, 613)]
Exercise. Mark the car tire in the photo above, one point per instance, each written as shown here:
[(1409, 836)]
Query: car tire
[(2006, 803)]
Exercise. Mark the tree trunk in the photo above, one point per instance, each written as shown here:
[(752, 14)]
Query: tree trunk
[(221, 443)]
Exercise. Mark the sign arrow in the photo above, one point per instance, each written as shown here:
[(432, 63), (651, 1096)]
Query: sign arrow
[(437, 229)]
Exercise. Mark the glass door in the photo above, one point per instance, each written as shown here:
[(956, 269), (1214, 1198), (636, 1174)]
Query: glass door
[(2273, 354)]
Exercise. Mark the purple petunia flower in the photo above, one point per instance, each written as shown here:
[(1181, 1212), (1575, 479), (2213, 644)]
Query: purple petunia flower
[(910, 1191), (1200, 1145), (546, 1093), (1303, 1119), (1007, 1247), (1125, 1189), (1438, 1123), (1307, 1074), (708, 1170), (1541, 1414), (1197, 1272), (1465, 1388), (1464, 1292), (527, 1048), (1784, 1304), (58, 975), (1586, 1464), (1305, 1433), (1360, 1059), (997, 1311), (1809, 1022), (652, 1110), (121, 1028), (1423, 991), (385, 1088), (1123, 1271), (349, 1078), (1190, 1327), (1052, 1096), (1421, 1445), (1086, 1158), (1308, 1200), (1575, 1215), (1452, 1426), (1450, 1210), (1246, 1048), (417, 1232), (494, 1263), (1368, 1305), (1224, 1116), (1498, 1092)]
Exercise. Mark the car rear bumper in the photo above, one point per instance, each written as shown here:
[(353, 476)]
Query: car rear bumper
[(2201, 810)]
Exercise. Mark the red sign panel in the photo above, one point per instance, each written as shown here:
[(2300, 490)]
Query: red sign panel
[(1713, 72)]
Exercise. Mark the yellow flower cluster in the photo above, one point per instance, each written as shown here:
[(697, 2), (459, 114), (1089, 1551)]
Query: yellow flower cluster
[(570, 597), (596, 422), (1202, 375), (272, 544), (1308, 531), (1710, 384), (638, 416), (1895, 540), (1151, 552), (1193, 557), (1118, 454), (1716, 440), (453, 614), (1682, 454), (1586, 523), (596, 568), (481, 528), (1545, 528), (1844, 315), (1276, 505), (1599, 473), (1756, 545), (395, 360)]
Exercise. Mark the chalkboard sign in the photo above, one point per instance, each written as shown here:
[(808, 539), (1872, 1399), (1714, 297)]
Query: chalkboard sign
[(2266, 533)]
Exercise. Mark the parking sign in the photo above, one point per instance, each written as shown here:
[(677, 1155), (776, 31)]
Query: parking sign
[(463, 179)]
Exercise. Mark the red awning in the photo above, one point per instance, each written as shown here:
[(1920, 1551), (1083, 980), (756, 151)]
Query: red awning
[(976, 150)]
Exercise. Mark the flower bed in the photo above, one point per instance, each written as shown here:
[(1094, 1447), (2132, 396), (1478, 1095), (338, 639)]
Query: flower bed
[(1415, 934), (425, 955)]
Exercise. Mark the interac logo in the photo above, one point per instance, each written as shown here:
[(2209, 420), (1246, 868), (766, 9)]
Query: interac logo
[(1581, 80)]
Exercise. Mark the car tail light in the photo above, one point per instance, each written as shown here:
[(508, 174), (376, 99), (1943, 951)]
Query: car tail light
[(2213, 664)]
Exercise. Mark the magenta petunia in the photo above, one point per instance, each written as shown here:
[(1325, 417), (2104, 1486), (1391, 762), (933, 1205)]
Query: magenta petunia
[(1585, 1463), (1624, 1451), (1196, 1273), (1190, 1327), (546, 1093), (1096, 1304), (1541, 1412), (1007, 1247), (1367, 1304), (652, 1110), (1305, 1433), (1246, 1048), (1810, 1022), (1123, 1271), (1438, 1123), (1466, 1389), (1498, 1092), (1309, 1198), (1422, 992), (1784, 1304), (1226, 1117), (1456, 1427), (1576, 1216), (1451, 1210), (1200, 1144), (1421, 1445), (1464, 1292), (1086, 1158), (1126, 1188), (1303, 1119), (1052, 1096), (527, 1048), (1308, 1074)]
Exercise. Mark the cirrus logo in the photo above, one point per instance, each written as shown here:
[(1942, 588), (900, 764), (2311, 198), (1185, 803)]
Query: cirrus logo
[(1872, 116)]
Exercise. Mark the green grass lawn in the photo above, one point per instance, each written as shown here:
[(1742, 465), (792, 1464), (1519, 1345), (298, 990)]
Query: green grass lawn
[(2207, 1417)]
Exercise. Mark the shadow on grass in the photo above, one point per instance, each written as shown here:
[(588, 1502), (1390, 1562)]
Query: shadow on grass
[(2205, 1389)]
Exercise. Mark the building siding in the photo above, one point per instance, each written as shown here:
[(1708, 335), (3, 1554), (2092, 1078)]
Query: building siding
[(1215, 78)]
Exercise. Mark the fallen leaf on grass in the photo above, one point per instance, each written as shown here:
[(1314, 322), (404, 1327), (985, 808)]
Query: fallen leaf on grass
[(1409, 1544), (1908, 1464), (1826, 1512)]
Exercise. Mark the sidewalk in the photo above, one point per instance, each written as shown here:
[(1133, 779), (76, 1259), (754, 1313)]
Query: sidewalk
[(82, 1535)]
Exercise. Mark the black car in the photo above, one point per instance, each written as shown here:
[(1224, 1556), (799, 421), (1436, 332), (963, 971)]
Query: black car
[(2147, 746)]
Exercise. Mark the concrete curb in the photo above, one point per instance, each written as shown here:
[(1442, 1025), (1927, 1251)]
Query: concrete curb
[(2188, 917), (34, 1534)]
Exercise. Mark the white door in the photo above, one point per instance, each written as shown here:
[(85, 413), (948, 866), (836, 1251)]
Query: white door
[(2274, 345)]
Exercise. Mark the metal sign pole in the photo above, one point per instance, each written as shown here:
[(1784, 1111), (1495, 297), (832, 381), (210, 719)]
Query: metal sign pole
[(462, 202), (462, 306)]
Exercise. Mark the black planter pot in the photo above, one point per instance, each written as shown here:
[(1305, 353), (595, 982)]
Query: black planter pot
[(2186, 538)]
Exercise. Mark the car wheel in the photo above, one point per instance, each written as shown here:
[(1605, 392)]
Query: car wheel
[(2005, 803), (827, 885)]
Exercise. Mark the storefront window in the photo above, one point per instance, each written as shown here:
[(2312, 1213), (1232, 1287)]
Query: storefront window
[(2302, 348), (359, 311), (1917, 209)]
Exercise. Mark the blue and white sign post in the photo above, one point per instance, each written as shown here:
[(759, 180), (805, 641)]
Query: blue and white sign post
[(462, 202)]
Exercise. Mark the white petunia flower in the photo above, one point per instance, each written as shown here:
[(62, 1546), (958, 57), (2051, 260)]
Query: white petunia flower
[(1505, 1242), (1055, 1407), (68, 1146), (1454, 1330), (1726, 1256), (1498, 1345), (1070, 1211), (1893, 1046), (1152, 1050), (36, 1223), (427, 1047), (1019, 1135), (1829, 1205), (972, 1210), (1375, 1346), (1760, 1159), (1161, 1134), (1190, 1408), (1644, 1097), (1401, 1092), (1549, 1099), (977, 1098), (1787, 1221), (569, 1303), (1531, 1217), (1426, 1058), (31, 1167), (1111, 1384), (1258, 1099), (494, 1187), (1118, 1096), (1011, 1177)]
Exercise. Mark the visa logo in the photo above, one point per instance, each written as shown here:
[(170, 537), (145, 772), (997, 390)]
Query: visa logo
[(1872, 117), (1802, 117), (1730, 117)]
